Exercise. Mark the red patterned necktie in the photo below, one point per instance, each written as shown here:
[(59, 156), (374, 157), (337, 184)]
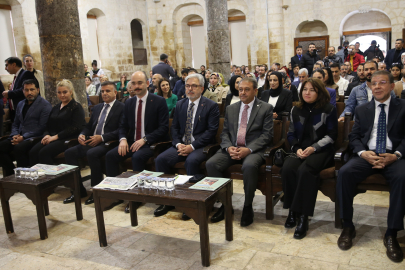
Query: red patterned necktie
[(241, 140), (139, 121)]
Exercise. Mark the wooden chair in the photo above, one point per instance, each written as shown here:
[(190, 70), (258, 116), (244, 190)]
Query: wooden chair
[(222, 108), (340, 107), (341, 98), (328, 176)]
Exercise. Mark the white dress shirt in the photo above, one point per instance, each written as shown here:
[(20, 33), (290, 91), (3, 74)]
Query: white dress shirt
[(144, 99), (273, 100), (369, 93), (234, 99), (343, 84), (261, 82), (108, 111), (195, 107), (249, 111)]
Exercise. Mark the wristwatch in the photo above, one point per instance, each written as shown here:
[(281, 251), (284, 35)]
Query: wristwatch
[(145, 140), (398, 155)]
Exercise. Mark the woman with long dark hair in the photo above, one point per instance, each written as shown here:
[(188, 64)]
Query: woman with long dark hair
[(329, 82), (233, 96), (164, 90)]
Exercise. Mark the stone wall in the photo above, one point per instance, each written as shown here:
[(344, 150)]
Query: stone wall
[(168, 31)]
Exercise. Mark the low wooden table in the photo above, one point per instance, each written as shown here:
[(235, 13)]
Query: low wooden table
[(197, 204), (38, 191)]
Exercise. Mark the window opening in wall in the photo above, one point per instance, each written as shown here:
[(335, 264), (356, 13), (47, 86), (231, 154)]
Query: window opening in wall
[(365, 42), (138, 48), (8, 43), (93, 39)]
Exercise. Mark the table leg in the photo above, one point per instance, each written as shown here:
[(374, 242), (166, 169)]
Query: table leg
[(132, 211), (46, 207), (43, 232), (228, 213), (204, 235), (100, 220), (78, 203), (6, 212)]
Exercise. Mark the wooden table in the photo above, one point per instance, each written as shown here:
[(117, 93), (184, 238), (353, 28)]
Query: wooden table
[(197, 204), (38, 191)]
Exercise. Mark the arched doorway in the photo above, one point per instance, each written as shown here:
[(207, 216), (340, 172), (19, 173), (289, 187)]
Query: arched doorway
[(312, 32), (238, 37), (138, 47), (196, 40), (93, 24)]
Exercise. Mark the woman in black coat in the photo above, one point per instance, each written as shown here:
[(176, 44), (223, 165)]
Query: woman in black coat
[(233, 96), (280, 98)]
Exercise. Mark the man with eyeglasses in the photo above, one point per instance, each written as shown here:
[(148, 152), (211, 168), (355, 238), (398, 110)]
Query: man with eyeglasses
[(195, 125), (247, 131), (362, 93), (378, 144)]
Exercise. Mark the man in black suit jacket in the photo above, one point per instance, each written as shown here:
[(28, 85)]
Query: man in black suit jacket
[(15, 95), (145, 121), (101, 128), (30, 121), (1, 107), (194, 126), (378, 144), (309, 59), (248, 130), (394, 55), (296, 59)]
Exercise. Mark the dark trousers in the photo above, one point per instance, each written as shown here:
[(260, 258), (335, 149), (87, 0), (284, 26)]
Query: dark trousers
[(139, 159), (44, 154), (20, 154), (166, 160), (94, 158), (301, 181), (250, 169), (355, 171)]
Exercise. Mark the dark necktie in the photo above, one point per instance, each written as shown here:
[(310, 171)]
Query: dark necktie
[(299, 57), (189, 122), (102, 120), (139, 121), (241, 139), (381, 132), (10, 101)]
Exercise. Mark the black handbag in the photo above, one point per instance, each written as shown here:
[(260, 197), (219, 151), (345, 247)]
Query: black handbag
[(280, 155)]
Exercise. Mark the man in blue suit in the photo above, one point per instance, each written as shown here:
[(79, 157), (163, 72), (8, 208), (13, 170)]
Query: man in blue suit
[(195, 124), (30, 121), (394, 55), (101, 128)]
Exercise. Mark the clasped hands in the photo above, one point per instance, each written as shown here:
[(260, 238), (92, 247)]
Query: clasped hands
[(238, 153), (17, 139), (184, 150), (93, 141), (379, 161), (123, 148), (303, 154), (47, 139)]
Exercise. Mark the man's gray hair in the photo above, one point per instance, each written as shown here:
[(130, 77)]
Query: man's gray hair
[(198, 76), (250, 79), (303, 70)]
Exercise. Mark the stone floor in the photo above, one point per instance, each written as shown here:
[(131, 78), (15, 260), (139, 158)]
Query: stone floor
[(169, 243)]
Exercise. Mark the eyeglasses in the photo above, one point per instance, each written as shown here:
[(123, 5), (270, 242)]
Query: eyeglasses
[(193, 86), (379, 83)]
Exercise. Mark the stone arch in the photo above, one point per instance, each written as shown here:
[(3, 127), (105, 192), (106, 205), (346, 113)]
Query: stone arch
[(385, 20), (238, 40), (311, 29), (100, 42)]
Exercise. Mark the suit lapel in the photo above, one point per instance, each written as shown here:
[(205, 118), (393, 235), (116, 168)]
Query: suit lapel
[(370, 111), (392, 113), (280, 99), (110, 114), (253, 114), (148, 109), (235, 117), (201, 106)]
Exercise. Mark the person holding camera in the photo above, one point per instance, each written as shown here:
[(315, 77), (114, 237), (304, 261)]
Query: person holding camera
[(332, 57), (101, 128), (164, 67), (96, 73), (309, 59)]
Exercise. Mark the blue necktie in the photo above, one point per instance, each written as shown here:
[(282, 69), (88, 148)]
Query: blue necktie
[(381, 131), (102, 119), (187, 133)]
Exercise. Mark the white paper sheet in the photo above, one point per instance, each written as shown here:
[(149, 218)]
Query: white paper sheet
[(182, 179)]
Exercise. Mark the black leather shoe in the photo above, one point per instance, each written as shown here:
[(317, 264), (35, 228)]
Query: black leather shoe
[(185, 217), (90, 200), (136, 205), (127, 209), (302, 227), (247, 216), (394, 251), (345, 240), (290, 222), (162, 210), (71, 198), (219, 215)]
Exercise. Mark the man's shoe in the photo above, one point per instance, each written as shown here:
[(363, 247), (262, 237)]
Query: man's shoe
[(345, 240), (71, 198), (162, 210), (247, 216), (185, 217), (302, 227), (394, 251), (290, 222), (127, 209), (90, 200), (219, 215), (136, 204)]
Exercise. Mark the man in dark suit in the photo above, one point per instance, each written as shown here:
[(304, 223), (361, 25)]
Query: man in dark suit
[(309, 59), (15, 95), (296, 59), (1, 107), (194, 126), (30, 121), (248, 130), (101, 128), (394, 55), (145, 121), (378, 144)]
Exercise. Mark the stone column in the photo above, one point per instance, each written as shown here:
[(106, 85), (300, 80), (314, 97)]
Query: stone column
[(218, 37), (61, 47)]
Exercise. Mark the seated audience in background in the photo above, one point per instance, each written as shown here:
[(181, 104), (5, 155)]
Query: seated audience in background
[(274, 67), (233, 95), (86, 72), (360, 78), (329, 82), (131, 93), (95, 74), (30, 121), (216, 87), (122, 85), (250, 75), (202, 68), (396, 71), (344, 75), (179, 86), (401, 83), (394, 55), (90, 88), (257, 67), (316, 66), (261, 79), (281, 99), (28, 61), (361, 94), (138, 131), (65, 122), (101, 128), (237, 71), (382, 66), (294, 77), (302, 76), (246, 71), (357, 48), (320, 75), (164, 91), (332, 57), (223, 84), (354, 58), (376, 152), (376, 59), (247, 131), (312, 133), (155, 79), (349, 70), (340, 82), (195, 125), (290, 71)]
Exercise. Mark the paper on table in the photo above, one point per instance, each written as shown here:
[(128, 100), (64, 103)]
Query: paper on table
[(181, 179)]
